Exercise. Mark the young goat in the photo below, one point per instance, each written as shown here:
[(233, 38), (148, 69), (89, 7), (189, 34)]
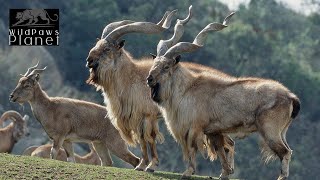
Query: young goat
[(44, 152), (12, 133), (122, 80), (68, 120), (204, 104)]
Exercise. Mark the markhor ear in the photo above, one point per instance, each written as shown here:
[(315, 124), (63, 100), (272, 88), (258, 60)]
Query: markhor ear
[(153, 56), (34, 77), (37, 77), (177, 59), (98, 39), (121, 43)]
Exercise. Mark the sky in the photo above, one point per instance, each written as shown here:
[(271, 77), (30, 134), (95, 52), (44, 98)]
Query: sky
[(297, 5)]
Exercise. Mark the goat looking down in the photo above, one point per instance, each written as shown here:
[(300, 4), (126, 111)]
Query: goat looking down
[(122, 80), (13, 132), (68, 120), (44, 152), (195, 105), (225, 143)]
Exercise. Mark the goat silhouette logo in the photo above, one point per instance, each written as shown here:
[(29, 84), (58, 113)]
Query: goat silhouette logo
[(34, 27), (31, 17)]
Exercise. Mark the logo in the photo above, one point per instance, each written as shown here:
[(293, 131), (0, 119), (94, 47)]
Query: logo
[(34, 27)]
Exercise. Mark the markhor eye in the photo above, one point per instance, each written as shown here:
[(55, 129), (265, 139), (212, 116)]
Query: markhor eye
[(107, 49), (166, 67)]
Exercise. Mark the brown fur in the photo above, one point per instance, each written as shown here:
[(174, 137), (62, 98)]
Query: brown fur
[(122, 80), (12, 133), (44, 152), (198, 104), (29, 150), (70, 120)]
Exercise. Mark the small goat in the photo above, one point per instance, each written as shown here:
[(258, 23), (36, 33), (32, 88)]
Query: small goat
[(68, 120), (44, 152), (196, 105), (12, 133)]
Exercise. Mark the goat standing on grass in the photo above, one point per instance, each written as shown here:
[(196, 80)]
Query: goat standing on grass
[(226, 143), (12, 133), (68, 120), (121, 79), (206, 104), (44, 152)]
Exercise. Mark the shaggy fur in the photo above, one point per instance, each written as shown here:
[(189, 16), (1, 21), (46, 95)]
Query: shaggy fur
[(12, 133), (123, 83), (29, 150), (199, 104), (44, 152), (70, 120)]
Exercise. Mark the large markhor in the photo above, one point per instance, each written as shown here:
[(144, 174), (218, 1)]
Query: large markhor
[(195, 105)]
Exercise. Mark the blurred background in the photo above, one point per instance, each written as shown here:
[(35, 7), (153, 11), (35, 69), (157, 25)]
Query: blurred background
[(269, 39)]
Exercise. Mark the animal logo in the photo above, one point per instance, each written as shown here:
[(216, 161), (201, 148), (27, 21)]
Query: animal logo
[(32, 16)]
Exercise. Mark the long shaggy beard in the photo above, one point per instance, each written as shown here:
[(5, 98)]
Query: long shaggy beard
[(93, 77)]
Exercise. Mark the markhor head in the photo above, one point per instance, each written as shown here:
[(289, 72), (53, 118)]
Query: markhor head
[(167, 62), (24, 90), (106, 54)]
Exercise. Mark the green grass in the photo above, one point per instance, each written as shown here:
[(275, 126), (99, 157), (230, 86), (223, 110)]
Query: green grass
[(25, 167)]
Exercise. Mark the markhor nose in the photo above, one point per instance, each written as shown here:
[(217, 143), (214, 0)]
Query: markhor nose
[(149, 79), (89, 62), (11, 96)]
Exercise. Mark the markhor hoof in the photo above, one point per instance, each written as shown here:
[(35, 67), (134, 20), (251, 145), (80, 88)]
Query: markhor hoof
[(184, 177), (138, 169), (224, 178), (282, 178), (150, 170)]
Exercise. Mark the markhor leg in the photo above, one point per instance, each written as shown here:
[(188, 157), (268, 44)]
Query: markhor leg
[(67, 145)]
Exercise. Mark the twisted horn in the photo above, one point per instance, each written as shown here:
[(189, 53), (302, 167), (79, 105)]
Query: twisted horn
[(30, 69), (186, 20), (160, 23), (110, 27), (141, 27), (164, 45), (12, 115), (226, 20), (199, 40), (35, 71)]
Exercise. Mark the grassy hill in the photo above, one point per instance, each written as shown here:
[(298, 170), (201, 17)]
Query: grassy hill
[(25, 167)]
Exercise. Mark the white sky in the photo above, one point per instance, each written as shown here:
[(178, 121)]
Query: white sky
[(296, 5)]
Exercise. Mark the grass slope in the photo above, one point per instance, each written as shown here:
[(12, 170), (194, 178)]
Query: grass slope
[(25, 167)]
